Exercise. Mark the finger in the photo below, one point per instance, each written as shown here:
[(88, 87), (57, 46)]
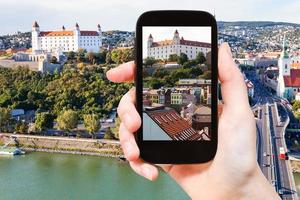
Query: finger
[(128, 143), (127, 111), (234, 92), (144, 169), (123, 73)]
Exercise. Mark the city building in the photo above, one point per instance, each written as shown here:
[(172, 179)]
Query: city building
[(163, 49), (288, 78), (163, 123), (66, 40)]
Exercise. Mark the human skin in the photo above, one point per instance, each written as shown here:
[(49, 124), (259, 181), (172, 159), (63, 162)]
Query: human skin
[(234, 172)]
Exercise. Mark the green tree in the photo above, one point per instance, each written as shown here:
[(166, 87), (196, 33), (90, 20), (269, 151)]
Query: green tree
[(71, 55), (21, 127), (4, 118), (200, 58), (173, 58), (81, 55), (206, 75), (92, 123), (296, 105), (182, 58), (43, 121), (108, 59), (297, 115), (91, 57), (67, 120), (189, 64), (53, 60), (149, 61), (115, 129), (108, 134)]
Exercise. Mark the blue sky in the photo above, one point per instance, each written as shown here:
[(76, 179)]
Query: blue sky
[(18, 15)]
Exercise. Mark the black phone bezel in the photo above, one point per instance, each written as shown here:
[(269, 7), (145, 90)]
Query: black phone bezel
[(177, 152)]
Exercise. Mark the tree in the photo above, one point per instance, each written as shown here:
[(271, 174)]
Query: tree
[(297, 115), (149, 61), (81, 55), (189, 64), (92, 123), (53, 60), (115, 130), (182, 58), (206, 75), (4, 117), (21, 127), (43, 121), (71, 55), (173, 58), (296, 105), (200, 58), (108, 134), (108, 59), (67, 120), (91, 57)]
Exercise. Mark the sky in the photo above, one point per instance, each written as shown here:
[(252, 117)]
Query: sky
[(201, 34), (19, 15)]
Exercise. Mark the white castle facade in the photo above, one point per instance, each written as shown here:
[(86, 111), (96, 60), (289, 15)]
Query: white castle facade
[(66, 40), (163, 49)]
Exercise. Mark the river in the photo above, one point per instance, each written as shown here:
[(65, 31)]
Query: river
[(49, 176)]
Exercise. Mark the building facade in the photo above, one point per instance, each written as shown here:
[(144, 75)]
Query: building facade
[(163, 49), (66, 40)]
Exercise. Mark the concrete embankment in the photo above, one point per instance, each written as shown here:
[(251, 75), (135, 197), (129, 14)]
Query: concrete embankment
[(108, 148)]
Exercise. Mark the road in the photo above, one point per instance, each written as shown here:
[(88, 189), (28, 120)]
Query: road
[(272, 120)]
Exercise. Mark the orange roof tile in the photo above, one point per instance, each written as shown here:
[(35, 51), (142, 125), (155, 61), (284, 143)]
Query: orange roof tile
[(56, 33), (173, 124)]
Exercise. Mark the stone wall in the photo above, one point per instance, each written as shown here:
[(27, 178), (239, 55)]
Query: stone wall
[(65, 144)]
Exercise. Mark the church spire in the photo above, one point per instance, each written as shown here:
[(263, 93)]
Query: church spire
[(284, 53)]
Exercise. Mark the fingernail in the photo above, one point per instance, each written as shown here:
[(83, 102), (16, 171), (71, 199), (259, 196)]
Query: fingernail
[(147, 173)]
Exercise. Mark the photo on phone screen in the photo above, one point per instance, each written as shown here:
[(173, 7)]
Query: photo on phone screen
[(176, 83)]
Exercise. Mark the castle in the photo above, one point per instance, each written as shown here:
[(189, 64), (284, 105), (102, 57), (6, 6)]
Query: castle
[(66, 40), (163, 49), (289, 75)]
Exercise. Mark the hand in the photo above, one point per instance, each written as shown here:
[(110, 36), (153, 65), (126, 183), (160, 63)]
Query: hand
[(234, 172)]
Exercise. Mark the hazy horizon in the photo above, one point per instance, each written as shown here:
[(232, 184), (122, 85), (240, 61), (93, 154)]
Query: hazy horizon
[(120, 15)]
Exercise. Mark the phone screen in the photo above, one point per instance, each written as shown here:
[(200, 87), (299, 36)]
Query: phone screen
[(176, 83)]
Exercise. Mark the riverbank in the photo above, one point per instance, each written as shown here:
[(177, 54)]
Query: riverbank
[(93, 147)]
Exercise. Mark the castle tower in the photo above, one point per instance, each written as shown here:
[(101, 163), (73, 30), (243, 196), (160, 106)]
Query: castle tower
[(150, 41), (76, 36), (35, 36), (176, 38)]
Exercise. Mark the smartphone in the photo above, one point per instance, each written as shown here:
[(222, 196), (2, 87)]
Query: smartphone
[(176, 86)]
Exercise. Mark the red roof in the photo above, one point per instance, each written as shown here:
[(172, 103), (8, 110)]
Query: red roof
[(173, 124), (182, 42), (89, 33), (293, 80), (67, 33)]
